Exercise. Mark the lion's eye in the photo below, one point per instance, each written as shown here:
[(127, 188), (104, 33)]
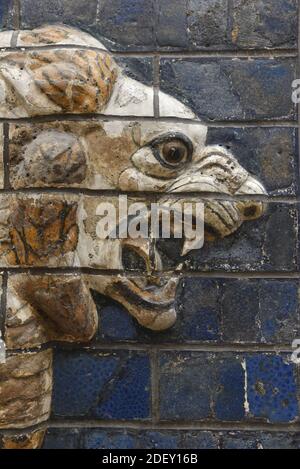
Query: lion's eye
[(174, 152)]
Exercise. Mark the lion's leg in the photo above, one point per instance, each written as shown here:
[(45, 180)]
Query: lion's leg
[(25, 397), (39, 309), (24, 440)]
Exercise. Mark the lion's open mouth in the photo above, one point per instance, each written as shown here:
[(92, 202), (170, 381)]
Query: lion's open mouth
[(152, 305)]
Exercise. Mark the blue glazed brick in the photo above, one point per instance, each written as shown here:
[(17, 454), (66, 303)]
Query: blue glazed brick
[(109, 439), (279, 310), (197, 386), (94, 438), (128, 24), (240, 307), (221, 24), (140, 69), (230, 89), (115, 322), (186, 381), (230, 394), (62, 438), (279, 440), (214, 310), (267, 244), (239, 440), (269, 153), (208, 24), (73, 12), (260, 440), (172, 24), (272, 391), (79, 379), (199, 310), (144, 439), (270, 23), (102, 385), (129, 397), (8, 14)]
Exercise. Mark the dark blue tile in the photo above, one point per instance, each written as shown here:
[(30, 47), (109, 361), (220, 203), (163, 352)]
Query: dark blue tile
[(279, 310), (8, 14), (196, 386), (113, 385), (140, 68), (115, 322), (240, 309), (79, 379), (260, 440), (129, 396), (128, 24), (199, 310), (186, 381), (148, 439), (172, 24), (232, 89), (272, 390), (109, 439), (264, 24), (230, 393), (62, 438), (73, 12)]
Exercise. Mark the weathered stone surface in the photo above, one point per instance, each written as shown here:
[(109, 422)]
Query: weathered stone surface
[(30, 440), (49, 307), (62, 79), (112, 385), (171, 28), (61, 230), (231, 89), (5, 38), (1, 158), (219, 24), (25, 389), (125, 155), (54, 81), (87, 438), (179, 24), (264, 24), (198, 386), (207, 24), (37, 12), (128, 24), (38, 231), (272, 388), (60, 307), (65, 230), (7, 12), (56, 35)]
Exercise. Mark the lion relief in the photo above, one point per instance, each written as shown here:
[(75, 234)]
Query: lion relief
[(80, 131)]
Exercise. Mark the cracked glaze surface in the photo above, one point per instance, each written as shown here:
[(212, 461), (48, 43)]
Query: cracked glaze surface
[(75, 75)]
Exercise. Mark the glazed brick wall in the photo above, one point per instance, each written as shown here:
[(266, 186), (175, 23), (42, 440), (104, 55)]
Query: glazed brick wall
[(222, 377)]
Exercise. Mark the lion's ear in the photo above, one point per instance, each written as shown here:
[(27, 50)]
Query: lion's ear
[(79, 81)]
